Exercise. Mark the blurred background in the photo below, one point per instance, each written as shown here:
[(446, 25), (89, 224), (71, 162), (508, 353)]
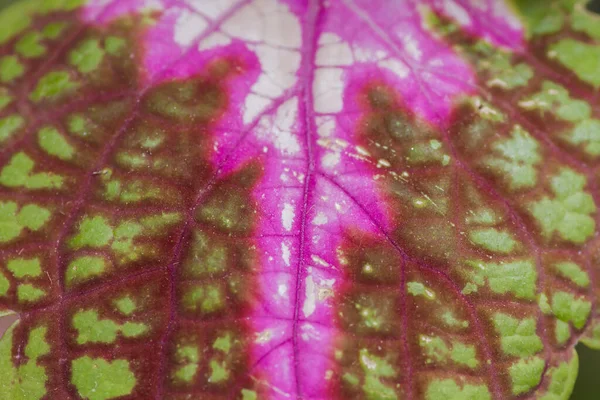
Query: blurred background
[(587, 386)]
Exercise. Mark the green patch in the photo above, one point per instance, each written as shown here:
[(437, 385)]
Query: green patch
[(54, 29), (586, 133), (436, 350), (16, 18), (517, 337), (55, 144), (189, 357), (93, 232), (12, 223), (555, 100), (27, 293), (450, 320), (5, 99), (493, 240), (573, 272), (505, 75), (448, 389), (52, 85), (10, 68), (87, 56), (91, 329), (526, 374), (249, 395), (114, 44), (517, 277), (99, 379), (125, 305), (515, 159), (562, 380), (375, 370), (206, 299), (562, 332), (541, 18), (28, 380), (567, 308), (9, 126), (419, 289), (30, 45), (4, 285), (83, 269), (581, 58), (24, 267), (569, 213), (18, 173), (218, 372), (223, 343)]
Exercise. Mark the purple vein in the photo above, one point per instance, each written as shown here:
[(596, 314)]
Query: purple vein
[(309, 48)]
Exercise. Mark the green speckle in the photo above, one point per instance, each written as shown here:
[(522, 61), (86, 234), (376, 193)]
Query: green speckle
[(567, 308), (436, 350), (555, 99), (30, 46), (562, 332), (77, 124), (418, 289), (98, 379), (87, 56), (16, 18), (572, 271), (517, 337), (516, 158), (187, 372), (125, 305), (581, 58), (23, 267), (526, 374), (114, 44), (10, 68), (493, 240), (93, 232), (52, 85), (448, 389), (84, 268), (218, 372), (18, 173), (505, 75), (469, 288), (562, 380), (60, 5), (569, 212), (9, 125), (518, 277), (12, 222), (450, 320), (376, 369), (55, 144), (29, 293)]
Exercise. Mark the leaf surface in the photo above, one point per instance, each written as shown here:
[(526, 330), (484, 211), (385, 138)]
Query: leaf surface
[(271, 199)]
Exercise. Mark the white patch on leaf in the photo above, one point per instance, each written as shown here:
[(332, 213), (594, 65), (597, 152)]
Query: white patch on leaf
[(217, 39), (285, 254), (310, 305), (334, 52), (328, 89), (457, 12), (188, 26), (287, 216)]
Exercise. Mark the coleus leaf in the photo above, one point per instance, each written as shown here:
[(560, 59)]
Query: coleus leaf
[(270, 199)]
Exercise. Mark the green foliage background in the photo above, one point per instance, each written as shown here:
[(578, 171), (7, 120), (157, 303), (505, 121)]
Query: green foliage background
[(587, 386)]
